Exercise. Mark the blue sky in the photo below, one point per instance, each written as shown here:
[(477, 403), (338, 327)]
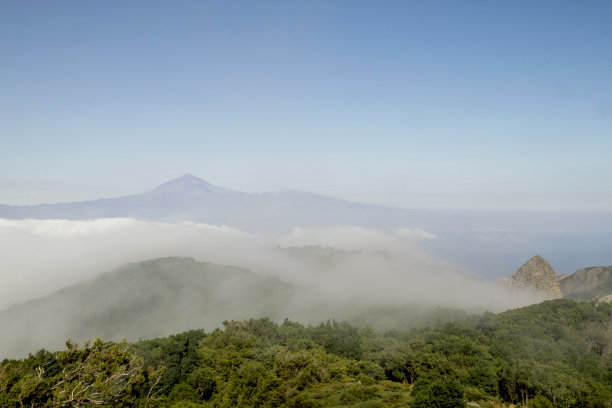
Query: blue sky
[(429, 104)]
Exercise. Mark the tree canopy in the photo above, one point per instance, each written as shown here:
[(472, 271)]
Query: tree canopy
[(554, 354)]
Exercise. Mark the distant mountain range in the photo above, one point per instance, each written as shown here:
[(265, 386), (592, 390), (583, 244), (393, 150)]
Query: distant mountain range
[(484, 242)]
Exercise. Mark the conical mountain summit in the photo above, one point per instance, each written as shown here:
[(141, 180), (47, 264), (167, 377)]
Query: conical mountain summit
[(537, 275), (187, 183)]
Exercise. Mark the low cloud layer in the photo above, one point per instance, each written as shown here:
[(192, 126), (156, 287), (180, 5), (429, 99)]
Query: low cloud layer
[(414, 233), (42, 256)]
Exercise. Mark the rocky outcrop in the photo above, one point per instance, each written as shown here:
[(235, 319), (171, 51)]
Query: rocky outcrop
[(561, 277), (536, 275), (588, 283)]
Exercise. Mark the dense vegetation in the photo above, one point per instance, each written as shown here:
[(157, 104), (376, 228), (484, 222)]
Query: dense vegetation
[(554, 354)]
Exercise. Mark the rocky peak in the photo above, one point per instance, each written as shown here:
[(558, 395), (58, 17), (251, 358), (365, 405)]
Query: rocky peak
[(538, 276)]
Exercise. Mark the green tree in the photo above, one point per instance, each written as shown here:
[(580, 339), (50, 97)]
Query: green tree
[(96, 374), (444, 393)]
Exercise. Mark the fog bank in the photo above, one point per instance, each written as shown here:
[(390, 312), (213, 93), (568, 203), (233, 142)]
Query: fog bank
[(42, 256)]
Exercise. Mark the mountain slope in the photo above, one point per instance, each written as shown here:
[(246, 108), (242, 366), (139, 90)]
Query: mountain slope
[(588, 283), (148, 299), (168, 295)]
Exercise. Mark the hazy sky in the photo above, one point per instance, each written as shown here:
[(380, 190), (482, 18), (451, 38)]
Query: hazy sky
[(429, 104)]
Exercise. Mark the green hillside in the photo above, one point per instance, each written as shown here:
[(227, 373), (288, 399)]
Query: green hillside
[(142, 300), (554, 354), (169, 295)]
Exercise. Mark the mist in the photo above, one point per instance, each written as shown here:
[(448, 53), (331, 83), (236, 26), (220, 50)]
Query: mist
[(43, 256)]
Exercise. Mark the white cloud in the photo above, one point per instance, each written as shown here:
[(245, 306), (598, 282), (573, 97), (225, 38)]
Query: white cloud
[(41, 256), (514, 238), (340, 237), (414, 233), (67, 228)]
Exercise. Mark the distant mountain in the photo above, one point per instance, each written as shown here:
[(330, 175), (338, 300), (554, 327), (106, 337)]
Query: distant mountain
[(190, 184), (588, 284), (193, 199)]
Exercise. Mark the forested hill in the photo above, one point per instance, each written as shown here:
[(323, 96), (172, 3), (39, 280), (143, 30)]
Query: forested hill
[(169, 295), (554, 354), (142, 300)]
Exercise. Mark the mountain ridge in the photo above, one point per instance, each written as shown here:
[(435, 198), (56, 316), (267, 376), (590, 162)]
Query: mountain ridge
[(190, 198), (592, 283)]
